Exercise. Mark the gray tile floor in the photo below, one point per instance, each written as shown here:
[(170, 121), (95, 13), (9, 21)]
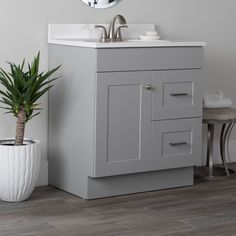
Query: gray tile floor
[(206, 209)]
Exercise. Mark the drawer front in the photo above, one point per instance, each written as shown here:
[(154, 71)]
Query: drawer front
[(176, 94), (176, 143), (136, 59)]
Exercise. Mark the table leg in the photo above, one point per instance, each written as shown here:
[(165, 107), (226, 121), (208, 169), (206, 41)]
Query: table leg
[(222, 139), (224, 142), (227, 141), (210, 139)]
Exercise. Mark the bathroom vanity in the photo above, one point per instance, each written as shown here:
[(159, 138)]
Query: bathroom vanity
[(124, 117)]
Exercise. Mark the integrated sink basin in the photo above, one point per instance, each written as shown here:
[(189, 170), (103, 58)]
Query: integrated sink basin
[(124, 40), (141, 40), (95, 43), (85, 35)]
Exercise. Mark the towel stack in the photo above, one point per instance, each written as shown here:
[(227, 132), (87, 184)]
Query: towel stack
[(216, 100)]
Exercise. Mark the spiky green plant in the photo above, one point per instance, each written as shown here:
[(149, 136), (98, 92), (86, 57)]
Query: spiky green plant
[(21, 90)]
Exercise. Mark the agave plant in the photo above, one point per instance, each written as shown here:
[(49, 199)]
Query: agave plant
[(21, 91)]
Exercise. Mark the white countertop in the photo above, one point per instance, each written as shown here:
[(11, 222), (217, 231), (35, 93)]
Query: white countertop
[(125, 43), (82, 35)]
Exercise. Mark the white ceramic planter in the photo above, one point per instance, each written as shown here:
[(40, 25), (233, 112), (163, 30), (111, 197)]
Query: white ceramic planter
[(19, 169)]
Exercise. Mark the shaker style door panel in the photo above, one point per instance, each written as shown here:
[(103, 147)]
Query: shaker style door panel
[(123, 123), (176, 143), (176, 94)]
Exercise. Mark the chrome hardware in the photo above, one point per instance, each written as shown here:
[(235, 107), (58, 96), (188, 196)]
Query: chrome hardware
[(118, 35), (179, 94), (178, 144), (111, 33), (148, 87), (104, 36)]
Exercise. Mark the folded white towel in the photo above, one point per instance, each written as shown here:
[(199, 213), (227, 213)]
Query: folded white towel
[(221, 103), (216, 100), (214, 96)]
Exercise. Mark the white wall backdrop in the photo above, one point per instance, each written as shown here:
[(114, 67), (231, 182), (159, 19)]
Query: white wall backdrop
[(23, 31)]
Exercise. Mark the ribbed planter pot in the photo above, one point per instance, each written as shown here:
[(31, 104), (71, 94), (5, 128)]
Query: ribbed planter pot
[(19, 169)]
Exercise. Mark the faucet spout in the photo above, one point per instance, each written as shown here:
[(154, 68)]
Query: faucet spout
[(111, 32)]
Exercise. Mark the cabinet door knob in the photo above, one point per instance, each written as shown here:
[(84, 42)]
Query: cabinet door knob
[(148, 87)]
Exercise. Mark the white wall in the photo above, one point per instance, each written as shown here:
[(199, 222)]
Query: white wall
[(23, 31)]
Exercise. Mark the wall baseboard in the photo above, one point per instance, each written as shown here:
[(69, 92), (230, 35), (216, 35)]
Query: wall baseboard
[(43, 175)]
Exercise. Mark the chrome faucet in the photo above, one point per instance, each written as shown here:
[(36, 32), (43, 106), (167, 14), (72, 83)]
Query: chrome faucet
[(104, 37), (113, 35)]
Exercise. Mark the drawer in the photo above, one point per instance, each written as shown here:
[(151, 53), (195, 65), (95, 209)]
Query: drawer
[(176, 94), (136, 59), (176, 143)]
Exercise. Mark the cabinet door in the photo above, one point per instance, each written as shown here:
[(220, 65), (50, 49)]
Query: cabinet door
[(176, 94), (123, 123), (176, 143)]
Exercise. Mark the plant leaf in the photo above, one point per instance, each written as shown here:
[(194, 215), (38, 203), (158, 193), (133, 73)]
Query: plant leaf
[(21, 88)]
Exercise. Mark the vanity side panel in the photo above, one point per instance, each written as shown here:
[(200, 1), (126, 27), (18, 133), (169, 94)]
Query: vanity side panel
[(71, 118), (162, 58)]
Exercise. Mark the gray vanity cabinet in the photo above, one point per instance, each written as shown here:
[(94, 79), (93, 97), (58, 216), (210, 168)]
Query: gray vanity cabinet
[(124, 120)]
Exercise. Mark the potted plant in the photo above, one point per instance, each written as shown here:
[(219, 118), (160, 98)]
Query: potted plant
[(19, 157)]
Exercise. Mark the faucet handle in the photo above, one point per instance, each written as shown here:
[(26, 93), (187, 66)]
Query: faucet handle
[(104, 36), (118, 35)]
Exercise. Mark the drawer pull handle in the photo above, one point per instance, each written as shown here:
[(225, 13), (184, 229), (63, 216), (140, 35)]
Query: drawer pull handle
[(178, 144), (179, 94)]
